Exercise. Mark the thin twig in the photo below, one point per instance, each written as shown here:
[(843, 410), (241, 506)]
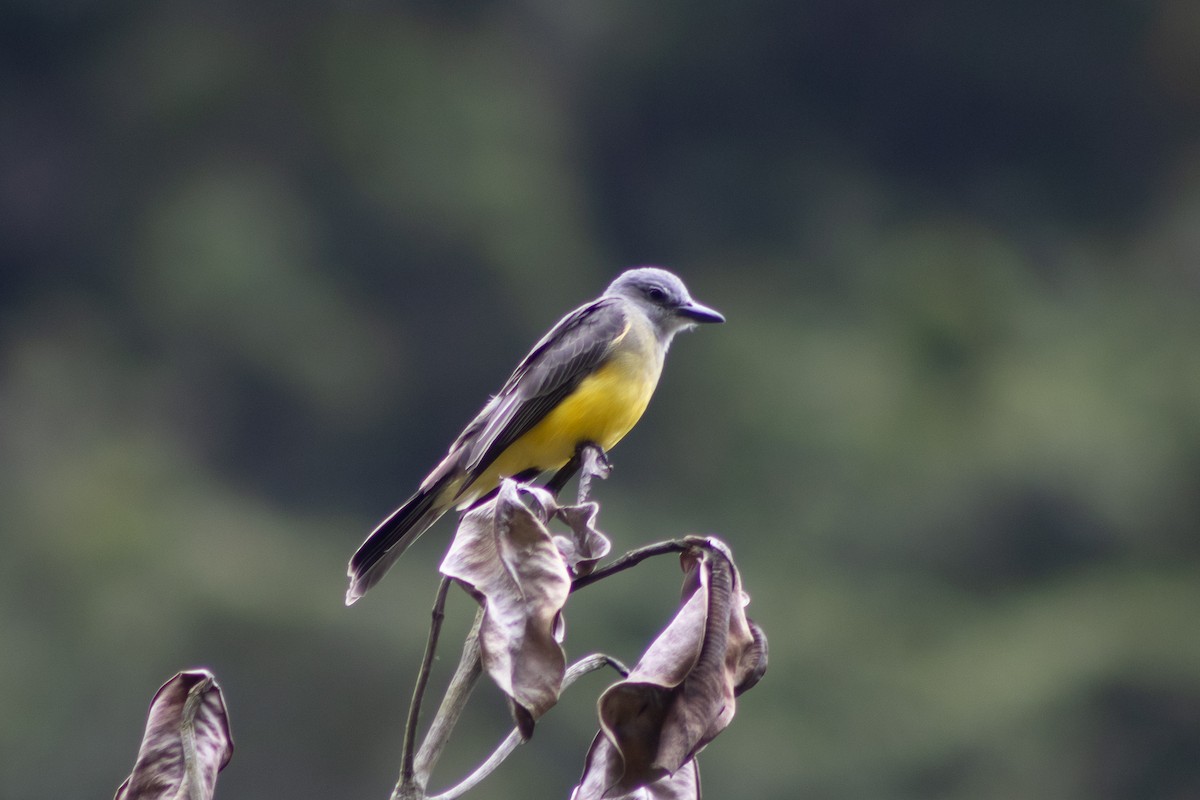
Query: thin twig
[(414, 707), (465, 676), (633, 558), (506, 748), (590, 664), (513, 740)]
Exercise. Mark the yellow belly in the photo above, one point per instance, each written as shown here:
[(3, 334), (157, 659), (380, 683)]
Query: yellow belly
[(602, 409)]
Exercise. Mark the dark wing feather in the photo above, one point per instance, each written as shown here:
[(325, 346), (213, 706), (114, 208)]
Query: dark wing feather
[(571, 351)]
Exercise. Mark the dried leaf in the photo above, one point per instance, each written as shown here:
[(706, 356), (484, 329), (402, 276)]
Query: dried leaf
[(753, 663), (683, 784), (507, 560), (586, 545), (187, 741), (681, 694)]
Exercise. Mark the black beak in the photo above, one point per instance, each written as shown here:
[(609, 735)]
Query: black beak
[(694, 311)]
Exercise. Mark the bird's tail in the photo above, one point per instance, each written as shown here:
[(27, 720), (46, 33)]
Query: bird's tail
[(392, 537)]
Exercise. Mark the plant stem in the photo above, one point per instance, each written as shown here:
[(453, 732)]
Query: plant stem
[(633, 558), (414, 707), (465, 676), (575, 672)]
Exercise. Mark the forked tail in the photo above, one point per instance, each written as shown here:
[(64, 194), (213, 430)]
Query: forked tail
[(392, 537)]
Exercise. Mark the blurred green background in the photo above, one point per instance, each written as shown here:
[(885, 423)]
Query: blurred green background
[(262, 261)]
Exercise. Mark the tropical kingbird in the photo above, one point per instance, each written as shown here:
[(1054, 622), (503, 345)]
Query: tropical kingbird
[(586, 382)]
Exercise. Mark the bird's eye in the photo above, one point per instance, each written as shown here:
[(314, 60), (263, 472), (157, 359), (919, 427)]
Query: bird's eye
[(656, 293)]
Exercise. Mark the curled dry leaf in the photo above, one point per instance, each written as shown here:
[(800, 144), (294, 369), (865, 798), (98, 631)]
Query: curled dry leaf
[(187, 741), (584, 548), (683, 784), (507, 559), (681, 694), (586, 545)]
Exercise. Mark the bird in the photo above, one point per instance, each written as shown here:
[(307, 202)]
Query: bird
[(586, 382)]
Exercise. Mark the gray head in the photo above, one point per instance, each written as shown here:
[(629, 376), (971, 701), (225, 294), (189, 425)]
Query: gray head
[(663, 298)]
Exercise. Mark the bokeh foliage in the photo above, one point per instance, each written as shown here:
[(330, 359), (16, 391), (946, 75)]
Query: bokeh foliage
[(261, 263)]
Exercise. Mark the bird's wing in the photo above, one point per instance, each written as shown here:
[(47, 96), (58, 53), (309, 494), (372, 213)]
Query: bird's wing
[(571, 351)]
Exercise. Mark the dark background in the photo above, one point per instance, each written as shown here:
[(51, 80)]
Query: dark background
[(260, 262)]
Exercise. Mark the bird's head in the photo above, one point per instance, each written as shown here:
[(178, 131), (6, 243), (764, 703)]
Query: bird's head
[(662, 296)]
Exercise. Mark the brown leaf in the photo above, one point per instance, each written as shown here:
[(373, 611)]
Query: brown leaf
[(683, 784), (507, 560), (753, 663), (586, 545), (681, 694), (187, 741)]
